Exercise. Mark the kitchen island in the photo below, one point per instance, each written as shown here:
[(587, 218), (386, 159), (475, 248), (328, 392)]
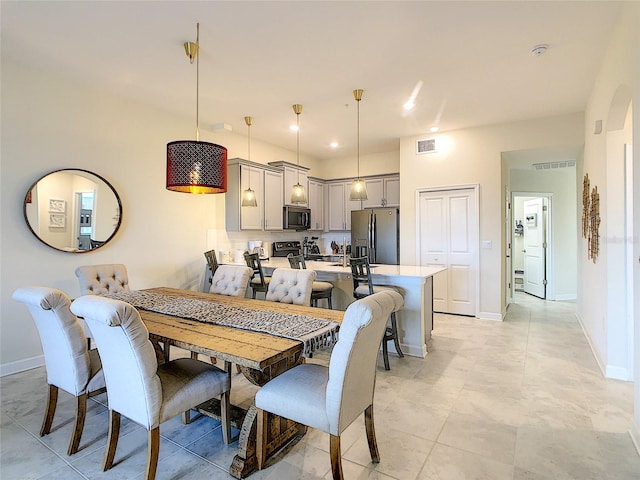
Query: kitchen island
[(415, 320)]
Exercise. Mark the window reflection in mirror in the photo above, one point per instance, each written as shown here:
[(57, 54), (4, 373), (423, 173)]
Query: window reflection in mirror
[(73, 210)]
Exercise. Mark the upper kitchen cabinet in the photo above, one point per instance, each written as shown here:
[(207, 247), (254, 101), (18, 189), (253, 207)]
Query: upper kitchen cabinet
[(340, 207), (273, 204), (382, 191), (293, 174), (267, 184), (316, 203)]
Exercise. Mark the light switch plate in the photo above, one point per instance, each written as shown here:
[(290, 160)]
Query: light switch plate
[(487, 244)]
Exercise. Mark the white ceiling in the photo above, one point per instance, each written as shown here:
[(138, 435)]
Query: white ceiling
[(259, 58)]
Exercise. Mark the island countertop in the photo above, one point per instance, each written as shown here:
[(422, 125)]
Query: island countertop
[(376, 269)]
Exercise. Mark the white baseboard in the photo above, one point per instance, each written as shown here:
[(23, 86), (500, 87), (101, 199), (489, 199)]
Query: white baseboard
[(21, 365), (566, 296), (590, 342), (634, 432), (617, 373), (411, 350), (490, 316)]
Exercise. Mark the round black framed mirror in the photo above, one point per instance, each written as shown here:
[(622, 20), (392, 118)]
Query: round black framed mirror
[(73, 210)]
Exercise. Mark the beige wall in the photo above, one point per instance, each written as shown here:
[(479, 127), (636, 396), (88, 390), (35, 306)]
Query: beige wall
[(617, 84), (372, 164), (473, 156), (51, 122)]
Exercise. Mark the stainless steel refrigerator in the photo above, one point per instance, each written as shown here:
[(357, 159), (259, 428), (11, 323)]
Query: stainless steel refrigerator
[(375, 233)]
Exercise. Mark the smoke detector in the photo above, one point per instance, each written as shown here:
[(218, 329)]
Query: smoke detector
[(539, 49)]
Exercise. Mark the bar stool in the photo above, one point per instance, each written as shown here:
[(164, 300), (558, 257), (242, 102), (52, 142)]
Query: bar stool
[(259, 283), (212, 262), (362, 287), (319, 290)]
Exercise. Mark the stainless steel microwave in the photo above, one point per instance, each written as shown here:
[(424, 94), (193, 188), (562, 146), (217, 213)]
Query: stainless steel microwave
[(296, 218)]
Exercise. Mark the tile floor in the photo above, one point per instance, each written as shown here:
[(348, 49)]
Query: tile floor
[(521, 399)]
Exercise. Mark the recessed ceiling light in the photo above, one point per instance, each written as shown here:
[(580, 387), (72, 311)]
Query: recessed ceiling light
[(539, 49), (293, 128), (409, 105), (434, 129), (333, 144)]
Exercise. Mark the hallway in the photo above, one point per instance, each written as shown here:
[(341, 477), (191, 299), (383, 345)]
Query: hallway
[(521, 399)]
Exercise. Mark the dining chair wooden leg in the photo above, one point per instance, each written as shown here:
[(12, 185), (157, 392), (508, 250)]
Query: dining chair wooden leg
[(78, 424), (336, 457), (261, 444), (153, 449), (112, 440), (371, 434), (50, 410)]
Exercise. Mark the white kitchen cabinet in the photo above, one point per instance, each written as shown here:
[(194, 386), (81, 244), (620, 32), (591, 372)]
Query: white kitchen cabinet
[(382, 192), (392, 191), (340, 207), (316, 204), (293, 174), (267, 183), (273, 212), (251, 218)]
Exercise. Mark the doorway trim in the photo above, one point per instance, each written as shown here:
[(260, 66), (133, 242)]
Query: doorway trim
[(476, 194), (550, 267)]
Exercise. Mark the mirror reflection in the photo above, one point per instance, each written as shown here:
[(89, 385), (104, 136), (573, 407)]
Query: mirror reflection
[(73, 210)]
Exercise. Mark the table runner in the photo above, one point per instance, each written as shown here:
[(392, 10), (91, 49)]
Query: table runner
[(314, 333)]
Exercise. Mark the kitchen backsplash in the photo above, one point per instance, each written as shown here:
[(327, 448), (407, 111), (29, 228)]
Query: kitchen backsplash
[(221, 240)]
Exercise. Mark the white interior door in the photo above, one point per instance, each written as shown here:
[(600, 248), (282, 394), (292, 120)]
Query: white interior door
[(449, 238), (535, 247)]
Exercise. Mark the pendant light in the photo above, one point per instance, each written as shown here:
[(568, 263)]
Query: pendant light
[(298, 194), (195, 166), (358, 188), (249, 196)]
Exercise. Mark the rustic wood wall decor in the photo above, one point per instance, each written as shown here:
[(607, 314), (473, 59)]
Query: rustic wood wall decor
[(594, 225), (586, 186)]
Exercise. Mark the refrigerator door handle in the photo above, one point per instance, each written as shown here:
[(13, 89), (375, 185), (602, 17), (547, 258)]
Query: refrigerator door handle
[(372, 257)]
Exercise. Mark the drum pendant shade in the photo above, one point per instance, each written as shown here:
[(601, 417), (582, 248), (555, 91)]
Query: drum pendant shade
[(196, 167)]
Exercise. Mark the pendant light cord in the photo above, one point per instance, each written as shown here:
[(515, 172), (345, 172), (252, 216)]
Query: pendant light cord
[(358, 149), (298, 144), (197, 81)]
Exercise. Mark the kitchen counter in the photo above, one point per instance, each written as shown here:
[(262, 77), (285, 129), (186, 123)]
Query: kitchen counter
[(415, 320)]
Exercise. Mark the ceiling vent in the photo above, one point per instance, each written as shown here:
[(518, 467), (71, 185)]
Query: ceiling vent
[(426, 146), (554, 165)]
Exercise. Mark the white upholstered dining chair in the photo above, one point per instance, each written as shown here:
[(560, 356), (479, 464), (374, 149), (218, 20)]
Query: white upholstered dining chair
[(102, 279), (331, 398), (139, 388), (291, 285), (231, 280), (69, 364)]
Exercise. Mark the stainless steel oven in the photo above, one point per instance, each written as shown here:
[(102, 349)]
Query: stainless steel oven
[(296, 218)]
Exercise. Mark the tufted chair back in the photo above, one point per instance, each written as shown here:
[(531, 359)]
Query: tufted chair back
[(63, 339), (70, 365), (231, 280), (291, 286), (352, 368), (128, 357), (102, 279)]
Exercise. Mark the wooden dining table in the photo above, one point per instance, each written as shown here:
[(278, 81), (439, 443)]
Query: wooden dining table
[(260, 356)]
